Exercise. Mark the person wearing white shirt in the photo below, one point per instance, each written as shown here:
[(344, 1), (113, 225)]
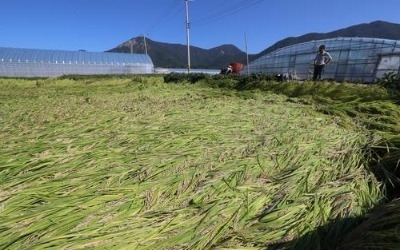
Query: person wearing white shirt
[(322, 59)]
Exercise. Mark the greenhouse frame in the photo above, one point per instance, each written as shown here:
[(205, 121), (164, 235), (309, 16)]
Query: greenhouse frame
[(354, 59), (16, 62)]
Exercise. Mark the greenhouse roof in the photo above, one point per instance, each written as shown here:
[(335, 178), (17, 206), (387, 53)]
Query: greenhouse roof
[(57, 56)]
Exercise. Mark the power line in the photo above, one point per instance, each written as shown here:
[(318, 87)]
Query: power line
[(225, 12), (228, 11), (168, 15)]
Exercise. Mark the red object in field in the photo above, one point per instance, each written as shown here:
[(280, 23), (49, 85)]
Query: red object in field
[(236, 67)]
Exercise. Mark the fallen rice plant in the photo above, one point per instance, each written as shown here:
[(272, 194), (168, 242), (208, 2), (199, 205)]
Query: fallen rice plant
[(114, 163)]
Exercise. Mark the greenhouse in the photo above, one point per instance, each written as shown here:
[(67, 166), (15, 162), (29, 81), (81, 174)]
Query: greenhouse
[(15, 62), (354, 59)]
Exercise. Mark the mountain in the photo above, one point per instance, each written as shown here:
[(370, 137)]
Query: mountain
[(167, 55), (377, 29)]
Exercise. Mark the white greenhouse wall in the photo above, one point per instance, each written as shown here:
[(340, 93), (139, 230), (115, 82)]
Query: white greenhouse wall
[(52, 63), (354, 59)]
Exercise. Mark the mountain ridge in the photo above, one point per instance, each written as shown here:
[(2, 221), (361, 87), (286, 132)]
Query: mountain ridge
[(168, 55), (376, 29)]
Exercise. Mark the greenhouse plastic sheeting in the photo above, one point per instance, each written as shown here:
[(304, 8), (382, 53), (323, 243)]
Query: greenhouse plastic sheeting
[(16, 62), (354, 59)]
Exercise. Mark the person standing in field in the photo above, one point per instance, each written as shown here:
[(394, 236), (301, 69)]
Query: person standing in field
[(322, 59)]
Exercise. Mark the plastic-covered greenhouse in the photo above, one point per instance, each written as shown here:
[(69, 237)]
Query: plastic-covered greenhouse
[(354, 59), (15, 62)]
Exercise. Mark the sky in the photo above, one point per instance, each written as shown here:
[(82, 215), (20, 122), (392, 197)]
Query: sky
[(250, 25)]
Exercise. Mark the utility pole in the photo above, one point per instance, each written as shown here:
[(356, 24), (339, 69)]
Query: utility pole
[(187, 34), (145, 44), (247, 54)]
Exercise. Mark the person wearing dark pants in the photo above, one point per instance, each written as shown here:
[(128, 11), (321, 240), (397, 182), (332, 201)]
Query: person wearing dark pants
[(322, 59)]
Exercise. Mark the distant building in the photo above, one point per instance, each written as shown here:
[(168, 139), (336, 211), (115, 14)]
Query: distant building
[(354, 59), (16, 62)]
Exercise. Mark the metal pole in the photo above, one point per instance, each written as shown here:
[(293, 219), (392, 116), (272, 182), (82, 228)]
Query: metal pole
[(247, 55), (187, 34), (145, 44)]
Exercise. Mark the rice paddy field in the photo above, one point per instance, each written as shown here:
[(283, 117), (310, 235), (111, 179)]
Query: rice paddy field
[(137, 163)]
